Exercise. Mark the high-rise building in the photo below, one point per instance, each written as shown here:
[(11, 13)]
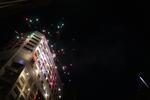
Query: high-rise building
[(28, 70)]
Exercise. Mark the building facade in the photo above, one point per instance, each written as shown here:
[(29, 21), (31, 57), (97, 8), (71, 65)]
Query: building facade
[(28, 70)]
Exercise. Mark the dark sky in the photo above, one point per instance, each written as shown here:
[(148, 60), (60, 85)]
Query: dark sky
[(109, 47)]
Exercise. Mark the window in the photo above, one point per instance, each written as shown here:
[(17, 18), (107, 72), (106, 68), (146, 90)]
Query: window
[(30, 45), (28, 48), (33, 42), (32, 95), (38, 53), (22, 79), (30, 81), (35, 39), (17, 92), (39, 63), (32, 62), (19, 85), (26, 91), (44, 45)]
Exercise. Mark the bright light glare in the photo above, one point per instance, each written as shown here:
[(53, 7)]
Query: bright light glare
[(59, 89), (37, 71), (17, 37), (27, 74), (62, 49), (52, 46), (55, 67), (54, 55), (51, 83), (26, 19), (51, 77), (43, 30), (59, 96), (37, 19), (63, 67), (46, 95), (70, 64), (28, 89), (30, 21), (44, 87)]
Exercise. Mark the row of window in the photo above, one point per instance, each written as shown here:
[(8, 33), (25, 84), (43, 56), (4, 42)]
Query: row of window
[(16, 91), (32, 43)]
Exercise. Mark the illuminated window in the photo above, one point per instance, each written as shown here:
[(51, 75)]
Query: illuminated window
[(26, 90), (44, 45), (19, 85), (22, 79), (35, 57), (38, 53)]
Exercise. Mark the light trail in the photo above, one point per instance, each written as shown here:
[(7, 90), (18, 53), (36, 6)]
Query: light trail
[(6, 6), (11, 2), (144, 82)]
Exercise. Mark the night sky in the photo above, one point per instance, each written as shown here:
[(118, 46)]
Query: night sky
[(108, 38)]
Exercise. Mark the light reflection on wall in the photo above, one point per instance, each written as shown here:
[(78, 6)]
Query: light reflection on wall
[(44, 61)]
